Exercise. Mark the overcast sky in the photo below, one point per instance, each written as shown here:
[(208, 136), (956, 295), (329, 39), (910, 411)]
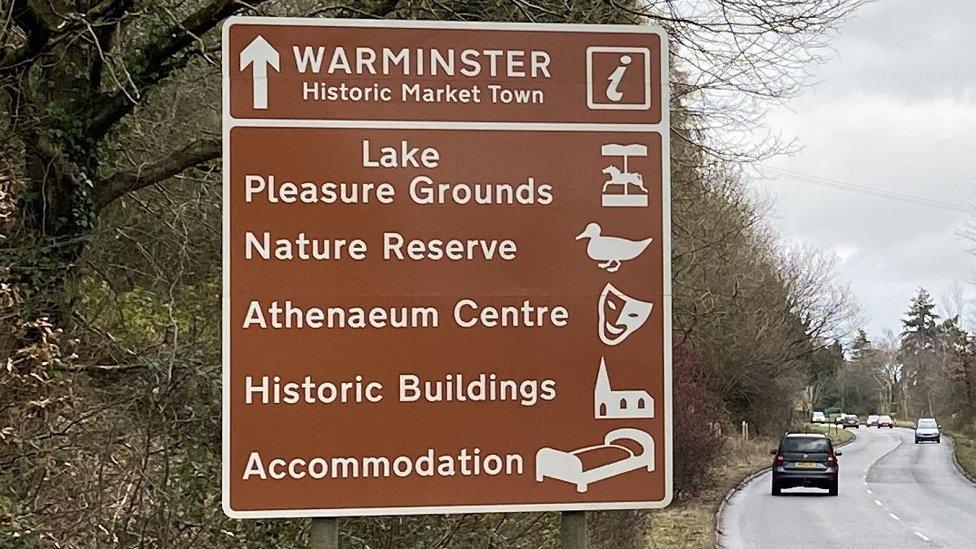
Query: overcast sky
[(895, 109)]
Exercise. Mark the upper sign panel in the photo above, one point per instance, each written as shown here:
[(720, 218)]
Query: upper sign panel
[(419, 71)]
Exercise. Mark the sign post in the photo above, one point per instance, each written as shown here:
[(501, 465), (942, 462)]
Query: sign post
[(572, 530), (325, 533), (446, 254)]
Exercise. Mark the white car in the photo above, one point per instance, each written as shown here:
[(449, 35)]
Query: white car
[(871, 421), (818, 417), (927, 430), (885, 421)]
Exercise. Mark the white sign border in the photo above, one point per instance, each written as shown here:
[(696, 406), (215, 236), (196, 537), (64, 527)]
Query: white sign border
[(663, 128)]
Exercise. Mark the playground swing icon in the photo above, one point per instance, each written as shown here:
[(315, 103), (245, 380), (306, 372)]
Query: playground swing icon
[(625, 179)]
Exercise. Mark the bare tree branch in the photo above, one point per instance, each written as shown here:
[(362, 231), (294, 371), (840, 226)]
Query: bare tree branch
[(157, 62), (38, 34), (160, 58), (118, 184), (106, 18)]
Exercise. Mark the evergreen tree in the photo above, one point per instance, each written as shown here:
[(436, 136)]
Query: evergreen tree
[(960, 355), (920, 345), (920, 326), (861, 347)]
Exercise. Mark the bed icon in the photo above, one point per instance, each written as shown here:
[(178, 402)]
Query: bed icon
[(569, 466)]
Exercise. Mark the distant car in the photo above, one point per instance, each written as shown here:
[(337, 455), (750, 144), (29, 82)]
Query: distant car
[(805, 459), (851, 420), (839, 418), (818, 417), (885, 421), (872, 421), (927, 430)]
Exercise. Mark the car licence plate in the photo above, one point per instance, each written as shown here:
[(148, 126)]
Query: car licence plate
[(806, 465)]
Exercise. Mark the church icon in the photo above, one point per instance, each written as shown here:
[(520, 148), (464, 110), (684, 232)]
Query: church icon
[(613, 404)]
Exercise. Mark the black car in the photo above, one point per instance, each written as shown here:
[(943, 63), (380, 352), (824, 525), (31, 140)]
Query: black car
[(805, 459)]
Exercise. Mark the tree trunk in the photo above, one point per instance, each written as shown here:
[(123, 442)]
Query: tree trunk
[(967, 374), (44, 251)]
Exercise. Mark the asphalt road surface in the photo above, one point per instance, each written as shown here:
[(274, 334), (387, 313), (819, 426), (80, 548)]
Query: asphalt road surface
[(892, 493)]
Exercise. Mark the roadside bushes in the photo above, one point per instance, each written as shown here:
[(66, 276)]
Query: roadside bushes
[(617, 529), (698, 416)]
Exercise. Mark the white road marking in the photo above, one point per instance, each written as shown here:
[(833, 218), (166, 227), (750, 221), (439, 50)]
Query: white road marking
[(919, 534), (894, 516), (878, 502), (870, 492)]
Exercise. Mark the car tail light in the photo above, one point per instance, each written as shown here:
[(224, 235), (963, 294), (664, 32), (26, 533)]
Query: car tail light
[(779, 457), (831, 459)]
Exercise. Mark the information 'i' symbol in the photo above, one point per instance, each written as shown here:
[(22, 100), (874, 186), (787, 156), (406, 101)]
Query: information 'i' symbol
[(613, 93)]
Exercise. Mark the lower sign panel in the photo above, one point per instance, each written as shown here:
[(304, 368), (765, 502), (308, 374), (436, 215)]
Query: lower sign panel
[(423, 321)]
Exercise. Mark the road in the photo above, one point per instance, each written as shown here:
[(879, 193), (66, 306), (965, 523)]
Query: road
[(893, 493)]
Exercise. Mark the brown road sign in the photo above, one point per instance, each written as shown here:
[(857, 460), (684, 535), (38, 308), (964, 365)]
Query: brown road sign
[(446, 268)]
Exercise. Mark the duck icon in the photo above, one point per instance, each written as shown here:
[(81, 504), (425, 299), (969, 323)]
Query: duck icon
[(611, 250)]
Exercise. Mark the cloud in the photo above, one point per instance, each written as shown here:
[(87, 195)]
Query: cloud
[(845, 252), (906, 48), (895, 110)]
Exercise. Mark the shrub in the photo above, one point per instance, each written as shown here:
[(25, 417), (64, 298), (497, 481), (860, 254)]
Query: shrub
[(698, 413)]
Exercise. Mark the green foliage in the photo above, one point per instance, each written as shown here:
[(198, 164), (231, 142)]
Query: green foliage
[(19, 529), (67, 128), (143, 315)]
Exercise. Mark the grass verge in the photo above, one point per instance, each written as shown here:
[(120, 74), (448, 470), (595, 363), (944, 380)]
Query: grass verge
[(690, 521), (965, 453), (965, 449), (837, 435)]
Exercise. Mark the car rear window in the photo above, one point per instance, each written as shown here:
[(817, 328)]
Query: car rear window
[(928, 424), (806, 445)]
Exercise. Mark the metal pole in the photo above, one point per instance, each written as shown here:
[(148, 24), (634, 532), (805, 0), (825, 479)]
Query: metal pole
[(572, 532), (325, 533)]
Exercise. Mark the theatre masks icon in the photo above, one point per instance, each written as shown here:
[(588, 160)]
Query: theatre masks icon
[(620, 315)]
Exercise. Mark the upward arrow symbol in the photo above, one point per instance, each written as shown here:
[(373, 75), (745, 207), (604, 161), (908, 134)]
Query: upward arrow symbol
[(260, 54)]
